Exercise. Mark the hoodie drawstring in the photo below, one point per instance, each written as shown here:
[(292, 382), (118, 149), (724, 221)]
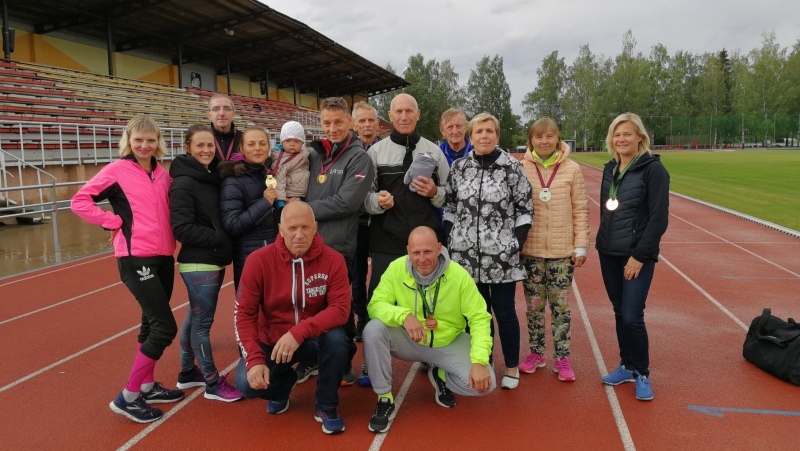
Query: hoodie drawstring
[(294, 287)]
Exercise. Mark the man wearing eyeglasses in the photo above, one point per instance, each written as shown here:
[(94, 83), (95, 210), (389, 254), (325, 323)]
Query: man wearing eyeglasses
[(226, 137)]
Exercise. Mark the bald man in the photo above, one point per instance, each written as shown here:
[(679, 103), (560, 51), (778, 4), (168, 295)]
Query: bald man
[(398, 206), (300, 271), (419, 313)]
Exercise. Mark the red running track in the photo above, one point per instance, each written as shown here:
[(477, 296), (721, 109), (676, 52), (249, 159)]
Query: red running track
[(69, 334)]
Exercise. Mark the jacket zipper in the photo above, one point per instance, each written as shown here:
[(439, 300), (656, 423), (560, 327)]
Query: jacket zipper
[(478, 235)]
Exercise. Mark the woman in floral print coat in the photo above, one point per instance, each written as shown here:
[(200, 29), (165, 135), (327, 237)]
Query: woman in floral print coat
[(487, 215)]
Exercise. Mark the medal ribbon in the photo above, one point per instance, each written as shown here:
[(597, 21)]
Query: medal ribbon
[(278, 163), (324, 169), (616, 180), (550, 180), (227, 156), (427, 310)]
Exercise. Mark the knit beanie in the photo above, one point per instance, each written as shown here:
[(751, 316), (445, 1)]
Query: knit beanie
[(293, 130)]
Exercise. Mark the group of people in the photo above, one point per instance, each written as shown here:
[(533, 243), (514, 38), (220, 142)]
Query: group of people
[(445, 232)]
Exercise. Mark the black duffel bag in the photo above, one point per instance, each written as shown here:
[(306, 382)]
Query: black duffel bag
[(773, 345)]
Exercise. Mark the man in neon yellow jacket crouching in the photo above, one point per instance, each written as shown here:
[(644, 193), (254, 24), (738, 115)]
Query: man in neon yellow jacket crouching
[(419, 313)]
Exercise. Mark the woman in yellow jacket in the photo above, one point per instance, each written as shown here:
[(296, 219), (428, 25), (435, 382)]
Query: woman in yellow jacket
[(556, 244)]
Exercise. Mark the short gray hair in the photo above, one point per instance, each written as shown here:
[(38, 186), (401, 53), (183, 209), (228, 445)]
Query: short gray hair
[(364, 106)]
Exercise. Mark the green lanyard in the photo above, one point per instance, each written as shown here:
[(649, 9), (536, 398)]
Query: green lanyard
[(427, 310), (616, 180)]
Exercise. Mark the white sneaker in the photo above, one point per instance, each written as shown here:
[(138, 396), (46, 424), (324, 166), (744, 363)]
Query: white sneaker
[(510, 382)]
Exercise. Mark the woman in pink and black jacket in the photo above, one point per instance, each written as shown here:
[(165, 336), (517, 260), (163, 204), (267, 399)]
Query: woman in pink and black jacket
[(137, 188)]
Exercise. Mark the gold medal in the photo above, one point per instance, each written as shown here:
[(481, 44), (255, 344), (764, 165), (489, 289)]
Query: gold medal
[(612, 204), (545, 195), (271, 182), (321, 178), (431, 323)]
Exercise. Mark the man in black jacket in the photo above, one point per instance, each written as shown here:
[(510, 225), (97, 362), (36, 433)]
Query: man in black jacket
[(396, 208), (226, 138)]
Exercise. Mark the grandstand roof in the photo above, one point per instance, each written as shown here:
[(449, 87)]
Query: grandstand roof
[(255, 37)]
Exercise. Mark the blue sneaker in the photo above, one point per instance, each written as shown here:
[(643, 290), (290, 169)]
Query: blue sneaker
[(363, 378), (277, 407), (643, 390), (332, 423), (619, 376), (137, 410)]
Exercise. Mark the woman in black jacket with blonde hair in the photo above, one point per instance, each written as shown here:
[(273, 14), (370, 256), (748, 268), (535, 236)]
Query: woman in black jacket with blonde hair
[(634, 212)]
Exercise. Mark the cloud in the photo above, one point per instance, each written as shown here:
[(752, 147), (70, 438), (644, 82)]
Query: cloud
[(525, 31)]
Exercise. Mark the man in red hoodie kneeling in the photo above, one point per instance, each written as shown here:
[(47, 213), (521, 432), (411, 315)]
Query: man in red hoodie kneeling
[(293, 299)]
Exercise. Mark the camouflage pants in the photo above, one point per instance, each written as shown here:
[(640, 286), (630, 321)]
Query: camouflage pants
[(549, 279)]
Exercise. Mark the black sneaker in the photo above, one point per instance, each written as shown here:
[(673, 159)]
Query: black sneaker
[(305, 370), (349, 377), (160, 394), (138, 410), (384, 414), (444, 397)]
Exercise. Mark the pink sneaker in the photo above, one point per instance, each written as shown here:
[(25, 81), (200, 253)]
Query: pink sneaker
[(532, 362), (564, 371), (223, 391)]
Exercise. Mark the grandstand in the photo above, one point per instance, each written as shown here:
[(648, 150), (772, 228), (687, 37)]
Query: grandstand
[(75, 78)]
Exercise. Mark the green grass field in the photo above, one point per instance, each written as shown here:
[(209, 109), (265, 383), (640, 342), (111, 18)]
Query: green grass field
[(760, 183)]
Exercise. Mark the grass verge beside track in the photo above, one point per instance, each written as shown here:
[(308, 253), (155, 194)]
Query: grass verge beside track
[(760, 183)]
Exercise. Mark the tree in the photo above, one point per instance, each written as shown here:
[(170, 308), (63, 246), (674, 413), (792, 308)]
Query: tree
[(488, 91), (583, 109), (630, 87), (435, 87), (381, 102), (547, 99)]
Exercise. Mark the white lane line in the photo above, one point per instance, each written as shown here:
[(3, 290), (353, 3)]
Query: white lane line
[(59, 303), (173, 411), (738, 247), (66, 301), (79, 353), (704, 293), (616, 409), (398, 401), (55, 270)]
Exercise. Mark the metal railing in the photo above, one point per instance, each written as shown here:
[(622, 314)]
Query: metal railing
[(65, 143), (12, 209)]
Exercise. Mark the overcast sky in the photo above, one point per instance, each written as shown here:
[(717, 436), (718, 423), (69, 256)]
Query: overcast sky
[(523, 32)]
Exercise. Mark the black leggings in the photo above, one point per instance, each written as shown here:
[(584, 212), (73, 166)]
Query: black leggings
[(150, 281)]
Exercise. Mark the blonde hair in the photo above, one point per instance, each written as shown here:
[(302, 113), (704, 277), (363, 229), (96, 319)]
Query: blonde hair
[(141, 124), (483, 117), (644, 144), (541, 126)]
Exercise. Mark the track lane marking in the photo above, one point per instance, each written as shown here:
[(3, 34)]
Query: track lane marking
[(77, 354), (377, 442), (70, 266), (59, 303), (65, 301), (173, 411), (613, 401)]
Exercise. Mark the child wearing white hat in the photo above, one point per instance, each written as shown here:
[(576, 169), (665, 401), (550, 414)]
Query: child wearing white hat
[(289, 164)]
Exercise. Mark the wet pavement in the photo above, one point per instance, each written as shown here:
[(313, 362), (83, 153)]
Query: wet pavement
[(28, 247)]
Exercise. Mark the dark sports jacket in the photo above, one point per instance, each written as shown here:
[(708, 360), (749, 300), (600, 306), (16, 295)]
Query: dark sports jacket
[(194, 213), (636, 226)]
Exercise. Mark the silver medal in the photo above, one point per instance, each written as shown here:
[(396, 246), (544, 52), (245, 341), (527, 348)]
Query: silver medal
[(612, 204), (545, 195)]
